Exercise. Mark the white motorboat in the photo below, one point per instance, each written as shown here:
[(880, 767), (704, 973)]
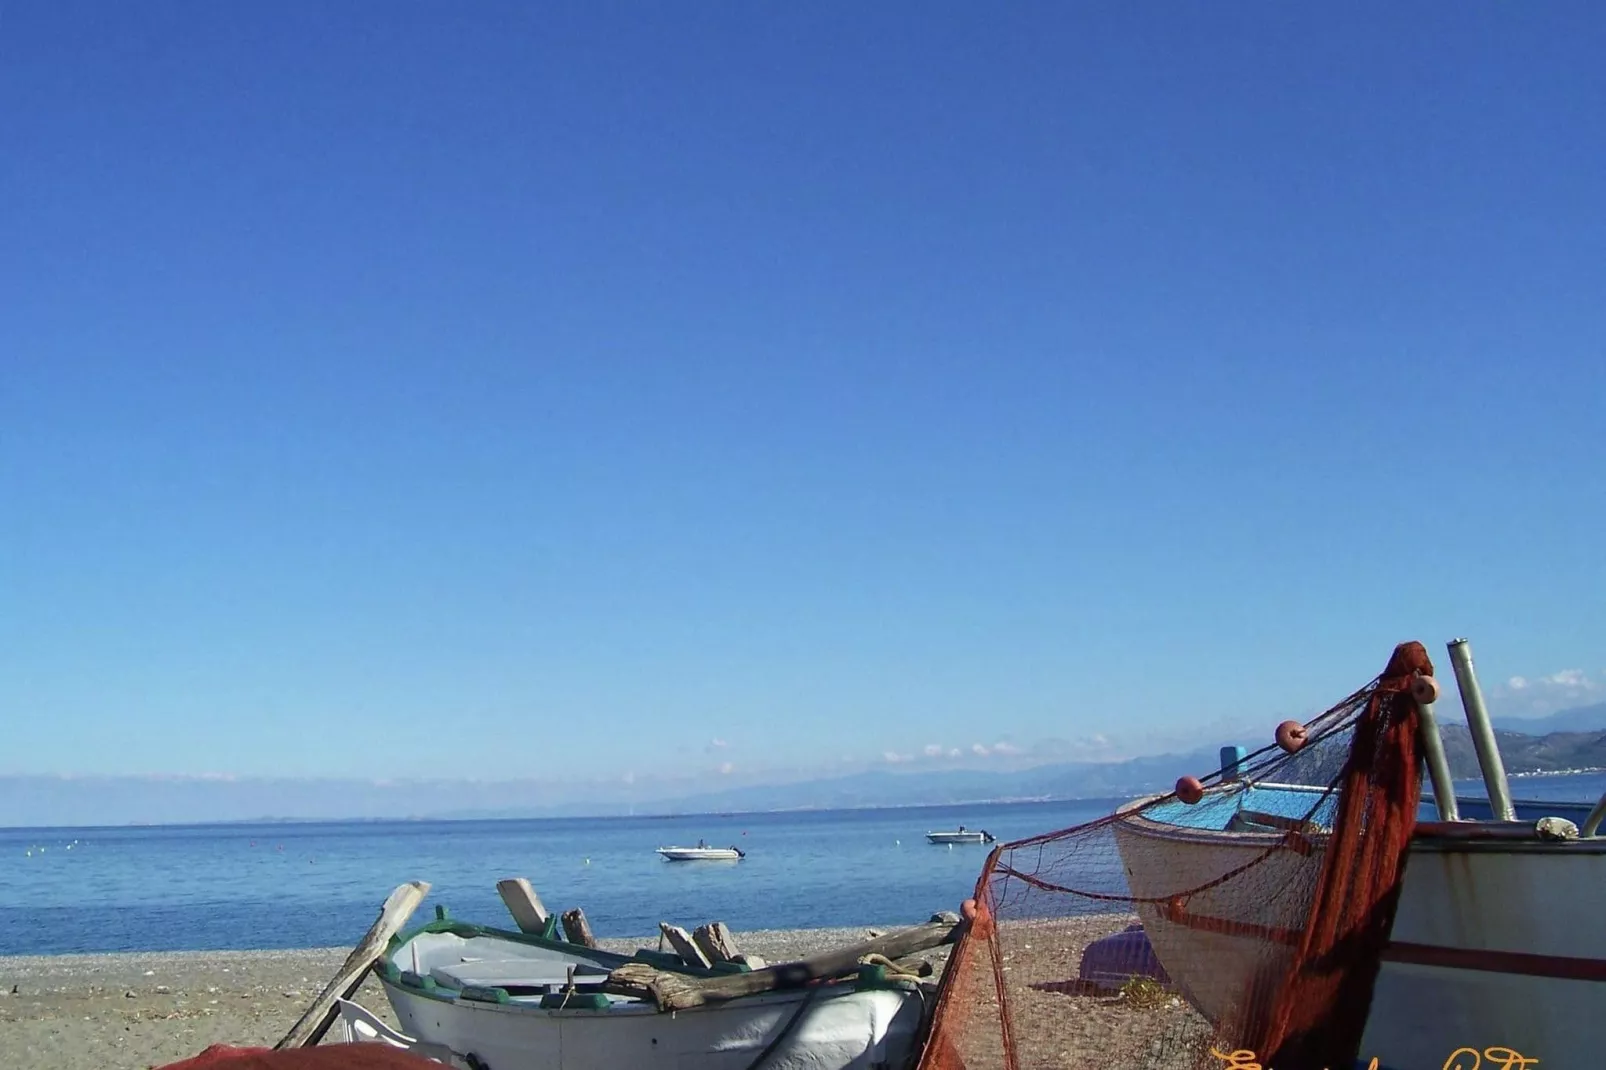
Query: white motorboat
[(702, 854), (479, 997), (961, 835)]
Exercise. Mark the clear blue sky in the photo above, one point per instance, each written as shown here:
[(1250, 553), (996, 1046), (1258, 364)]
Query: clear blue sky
[(589, 383)]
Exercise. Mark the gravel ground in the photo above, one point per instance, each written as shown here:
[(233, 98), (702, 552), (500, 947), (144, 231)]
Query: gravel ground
[(139, 1010)]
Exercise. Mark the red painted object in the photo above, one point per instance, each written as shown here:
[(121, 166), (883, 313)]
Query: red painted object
[(326, 1057), (1291, 736)]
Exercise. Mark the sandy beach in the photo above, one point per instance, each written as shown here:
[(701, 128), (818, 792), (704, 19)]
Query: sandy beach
[(138, 1010)]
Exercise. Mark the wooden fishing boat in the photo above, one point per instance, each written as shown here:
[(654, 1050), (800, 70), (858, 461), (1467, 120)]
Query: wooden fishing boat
[(523, 1001), (1494, 942)]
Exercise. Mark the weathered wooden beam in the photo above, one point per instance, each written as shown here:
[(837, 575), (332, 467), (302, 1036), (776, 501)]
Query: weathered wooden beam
[(642, 981), (684, 945), (716, 942), (677, 992), (399, 906), (576, 929), (529, 913)]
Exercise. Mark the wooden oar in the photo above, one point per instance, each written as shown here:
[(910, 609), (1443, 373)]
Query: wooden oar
[(311, 1026)]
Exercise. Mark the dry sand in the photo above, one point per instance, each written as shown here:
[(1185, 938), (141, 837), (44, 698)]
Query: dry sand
[(135, 1011)]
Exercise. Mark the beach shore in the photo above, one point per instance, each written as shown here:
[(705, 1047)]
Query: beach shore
[(132, 1011)]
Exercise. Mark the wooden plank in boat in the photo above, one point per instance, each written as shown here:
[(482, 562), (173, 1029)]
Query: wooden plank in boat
[(399, 906), (576, 929), (529, 913), (676, 992), (684, 945), (716, 942)]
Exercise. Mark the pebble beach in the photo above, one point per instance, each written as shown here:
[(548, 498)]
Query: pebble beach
[(133, 1011)]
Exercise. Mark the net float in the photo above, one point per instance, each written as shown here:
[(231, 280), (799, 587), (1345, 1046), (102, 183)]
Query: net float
[(1291, 736), (1425, 689), (1189, 789), (967, 910)]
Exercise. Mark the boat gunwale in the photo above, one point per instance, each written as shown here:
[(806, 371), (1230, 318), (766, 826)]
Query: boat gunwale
[(627, 1006), (1437, 836), (1137, 823)]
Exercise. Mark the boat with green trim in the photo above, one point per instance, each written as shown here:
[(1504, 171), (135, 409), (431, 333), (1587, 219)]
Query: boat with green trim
[(500, 1000)]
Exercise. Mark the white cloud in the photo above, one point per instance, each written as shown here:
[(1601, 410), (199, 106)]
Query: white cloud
[(933, 750), (629, 778), (1534, 696), (954, 752), (714, 745), (893, 757), (980, 750), (727, 768), (1005, 748)]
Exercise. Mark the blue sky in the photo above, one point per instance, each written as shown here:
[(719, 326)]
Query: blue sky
[(583, 391)]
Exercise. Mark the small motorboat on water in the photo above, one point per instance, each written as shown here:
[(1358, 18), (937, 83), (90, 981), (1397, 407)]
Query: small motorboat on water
[(702, 853), (961, 835)]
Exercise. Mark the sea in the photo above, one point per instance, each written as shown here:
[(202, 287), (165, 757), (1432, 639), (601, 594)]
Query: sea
[(320, 884)]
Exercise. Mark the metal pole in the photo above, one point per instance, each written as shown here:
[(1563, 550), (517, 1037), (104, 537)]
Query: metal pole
[(1438, 766), (1483, 741)]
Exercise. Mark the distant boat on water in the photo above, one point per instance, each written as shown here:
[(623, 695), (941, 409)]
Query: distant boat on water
[(961, 835), (702, 853)]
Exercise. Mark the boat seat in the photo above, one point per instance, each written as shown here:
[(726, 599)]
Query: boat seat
[(546, 975), (1256, 821)]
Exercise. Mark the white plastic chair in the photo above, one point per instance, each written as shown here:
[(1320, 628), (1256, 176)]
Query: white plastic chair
[(358, 1025)]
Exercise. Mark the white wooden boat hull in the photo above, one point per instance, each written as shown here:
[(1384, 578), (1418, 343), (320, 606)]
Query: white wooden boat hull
[(1483, 944), (847, 1030), (1213, 970), (1479, 926), (958, 837), (478, 993)]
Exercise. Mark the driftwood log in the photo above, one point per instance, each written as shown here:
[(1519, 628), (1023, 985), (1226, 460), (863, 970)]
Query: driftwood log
[(399, 906), (576, 929), (677, 992)]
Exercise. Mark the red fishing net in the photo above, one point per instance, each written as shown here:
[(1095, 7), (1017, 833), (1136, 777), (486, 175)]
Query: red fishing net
[(1243, 913)]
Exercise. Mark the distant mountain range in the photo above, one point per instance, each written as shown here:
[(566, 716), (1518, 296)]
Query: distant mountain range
[(1577, 719), (1569, 740), (1068, 780)]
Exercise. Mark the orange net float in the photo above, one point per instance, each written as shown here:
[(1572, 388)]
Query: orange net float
[(1291, 736), (1425, 689), (1190, 789)]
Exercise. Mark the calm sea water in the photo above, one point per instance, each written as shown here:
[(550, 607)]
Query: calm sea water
[(207, 887)]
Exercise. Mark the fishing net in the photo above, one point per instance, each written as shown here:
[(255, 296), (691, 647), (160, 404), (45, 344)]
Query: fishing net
[(1236, 921)]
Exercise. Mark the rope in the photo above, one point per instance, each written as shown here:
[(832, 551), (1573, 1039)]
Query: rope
[(894, 971)]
